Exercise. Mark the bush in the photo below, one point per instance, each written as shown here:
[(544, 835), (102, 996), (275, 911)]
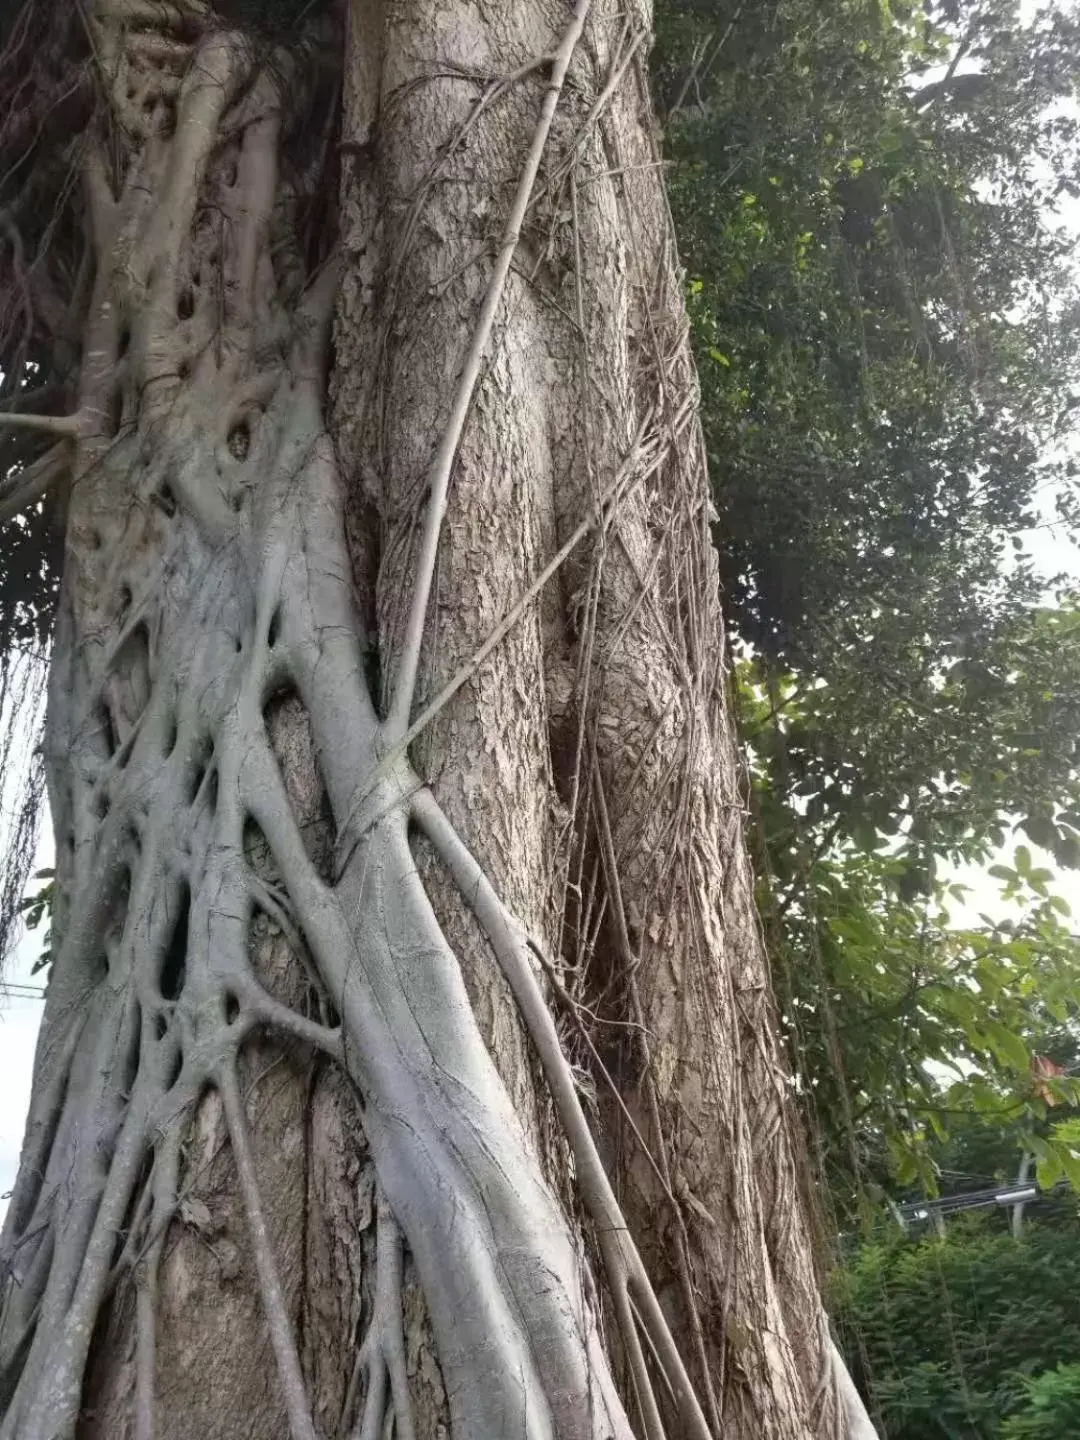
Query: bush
[(945, 1335), (1053, 1407)]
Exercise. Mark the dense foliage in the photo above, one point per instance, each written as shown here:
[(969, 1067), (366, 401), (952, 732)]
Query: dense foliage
[(886, 317), (948, 1334), (1052, 1409)]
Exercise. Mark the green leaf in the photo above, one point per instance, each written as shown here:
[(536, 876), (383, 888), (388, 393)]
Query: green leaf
[(1041, 831), (1006, 1046)]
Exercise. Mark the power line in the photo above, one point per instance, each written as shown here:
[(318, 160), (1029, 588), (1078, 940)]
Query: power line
[(1015, 1194), (17, 990)]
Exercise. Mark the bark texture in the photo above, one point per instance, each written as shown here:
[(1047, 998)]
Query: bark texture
[(408, 1064)]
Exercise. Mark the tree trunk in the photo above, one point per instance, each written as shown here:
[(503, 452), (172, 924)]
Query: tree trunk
[(408, 1064)]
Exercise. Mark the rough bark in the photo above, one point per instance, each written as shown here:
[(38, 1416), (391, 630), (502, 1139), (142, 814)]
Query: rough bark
[(408, 1063)]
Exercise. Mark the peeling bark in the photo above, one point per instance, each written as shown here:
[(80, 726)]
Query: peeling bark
[(401, 873)]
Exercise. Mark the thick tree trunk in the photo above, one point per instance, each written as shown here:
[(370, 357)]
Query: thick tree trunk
[(401, 871)]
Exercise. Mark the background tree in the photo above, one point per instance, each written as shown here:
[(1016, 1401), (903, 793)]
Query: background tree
[(884, 311), (346, 793)]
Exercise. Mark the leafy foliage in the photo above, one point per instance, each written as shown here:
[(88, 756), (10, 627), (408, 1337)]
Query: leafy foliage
[(903, 1020), (37, 912), (946, 1333), (1053, 1407), (872, 273), (886, 324)]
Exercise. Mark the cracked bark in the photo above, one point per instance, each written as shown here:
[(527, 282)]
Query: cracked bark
[(307, 1151)]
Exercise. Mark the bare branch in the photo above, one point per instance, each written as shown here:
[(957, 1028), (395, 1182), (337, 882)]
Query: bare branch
[(32, 482)]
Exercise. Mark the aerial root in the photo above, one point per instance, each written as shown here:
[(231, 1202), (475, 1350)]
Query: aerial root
[(273, 1297), (381, 1357), (67, 427), (277, 907), (267, 1010), (40, 1130), (438, 478), (627, 1277), (74, 1294), (643, 459), (644, 1393), (630, 963), (30, 484), (157, 1207)]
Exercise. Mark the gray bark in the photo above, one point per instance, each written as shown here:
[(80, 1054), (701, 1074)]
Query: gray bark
[(408, 1063)]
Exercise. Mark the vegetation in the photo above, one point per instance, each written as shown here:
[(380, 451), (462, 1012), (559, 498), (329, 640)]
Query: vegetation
[(962, 1337), (886, 322)]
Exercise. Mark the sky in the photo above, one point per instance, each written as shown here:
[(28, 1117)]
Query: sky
[(20, 1012)]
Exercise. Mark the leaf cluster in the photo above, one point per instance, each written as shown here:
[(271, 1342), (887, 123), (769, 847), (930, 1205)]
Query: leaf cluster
[(885, 316), (1052, 1409), (950, 1331)]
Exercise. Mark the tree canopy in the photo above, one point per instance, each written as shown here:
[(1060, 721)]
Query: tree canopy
[(885, 309)]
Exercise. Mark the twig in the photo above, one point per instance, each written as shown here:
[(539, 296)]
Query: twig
[(699, 68)]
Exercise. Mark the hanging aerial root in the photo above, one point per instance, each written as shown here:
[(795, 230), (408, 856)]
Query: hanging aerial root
[(41, 1127), (644, 458), (301, 1426), (630, 964), (627, 1277), (438, 477), (381, 1356), (51, 1382)]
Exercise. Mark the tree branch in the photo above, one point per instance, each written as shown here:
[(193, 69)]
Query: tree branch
[(35, 480)]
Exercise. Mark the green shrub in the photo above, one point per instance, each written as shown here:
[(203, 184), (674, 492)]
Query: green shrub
[(1053, 1407), (945, 1335)]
